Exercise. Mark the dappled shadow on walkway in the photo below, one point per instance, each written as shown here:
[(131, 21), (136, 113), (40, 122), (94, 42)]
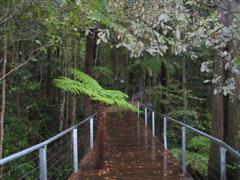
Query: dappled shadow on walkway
[(132, 152)]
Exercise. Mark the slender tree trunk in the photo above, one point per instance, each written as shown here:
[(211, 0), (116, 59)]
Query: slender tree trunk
[(61, 110), (3, 95), (102, 135), (146, 79), (49, 73), (218, 122), (163, 80), (62, 95), (89, 60), (233, 131), (73, 97), (67, 110), (73, 110), (184, 85)]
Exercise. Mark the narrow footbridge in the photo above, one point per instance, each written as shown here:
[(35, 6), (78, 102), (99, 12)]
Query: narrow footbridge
[(133, 150)]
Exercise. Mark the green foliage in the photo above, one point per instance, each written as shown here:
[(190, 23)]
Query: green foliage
[(100, 12), (198, 161), (173, 101), (86, 85), (151, 65), (103, 74), (197, 154), (199, 144)]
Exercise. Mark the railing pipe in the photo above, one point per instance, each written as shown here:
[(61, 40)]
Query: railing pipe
[(91, 133), (146, 116), (223, 146), (223, 151), (138, 107), (43, 163), (184, 151), (40, 145), (153, 123), (75, 149), (214, 139), (218, 141), (165, 132)]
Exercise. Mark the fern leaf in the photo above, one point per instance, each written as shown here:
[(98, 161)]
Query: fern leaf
[(86, 85)]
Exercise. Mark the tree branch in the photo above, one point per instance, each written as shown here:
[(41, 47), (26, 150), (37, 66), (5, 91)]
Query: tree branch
[(33, 54)]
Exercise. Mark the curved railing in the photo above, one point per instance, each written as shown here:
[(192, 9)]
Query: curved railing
[(42, 149), (224, 148)]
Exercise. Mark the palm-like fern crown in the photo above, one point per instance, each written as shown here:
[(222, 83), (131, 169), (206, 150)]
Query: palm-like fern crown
[(86, 85)]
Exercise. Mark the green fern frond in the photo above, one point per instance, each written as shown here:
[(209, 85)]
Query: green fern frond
[(86, 85), (85, 79)]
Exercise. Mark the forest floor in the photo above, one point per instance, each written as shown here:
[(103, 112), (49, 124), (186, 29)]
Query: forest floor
[(132, 152)]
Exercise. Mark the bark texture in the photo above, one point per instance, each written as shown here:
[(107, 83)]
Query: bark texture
[(102, 135), (89, 61)]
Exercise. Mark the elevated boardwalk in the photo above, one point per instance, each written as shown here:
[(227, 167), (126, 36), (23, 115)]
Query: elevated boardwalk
[(132, 152)]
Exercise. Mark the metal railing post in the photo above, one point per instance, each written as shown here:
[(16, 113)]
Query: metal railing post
[(223, 163), (153, 123), (75, 149), (91, 133), (165, 132), (43, 162), (184, 151), (138, 107), (146, 116)]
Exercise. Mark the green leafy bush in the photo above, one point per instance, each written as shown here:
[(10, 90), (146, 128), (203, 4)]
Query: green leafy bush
[(197, 154)]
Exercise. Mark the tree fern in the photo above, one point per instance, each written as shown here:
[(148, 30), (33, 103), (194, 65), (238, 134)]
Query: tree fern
[(86, 85)]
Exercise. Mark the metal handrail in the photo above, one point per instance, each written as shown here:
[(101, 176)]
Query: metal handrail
[(212, 138), (42, 147), (224, 147)]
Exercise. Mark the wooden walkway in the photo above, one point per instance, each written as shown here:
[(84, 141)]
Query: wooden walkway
[(133, 153)]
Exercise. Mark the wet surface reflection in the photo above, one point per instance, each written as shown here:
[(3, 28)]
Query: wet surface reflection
[(134, 153)]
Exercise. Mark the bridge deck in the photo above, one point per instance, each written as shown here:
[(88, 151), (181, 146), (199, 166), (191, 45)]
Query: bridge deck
[(133, 153)]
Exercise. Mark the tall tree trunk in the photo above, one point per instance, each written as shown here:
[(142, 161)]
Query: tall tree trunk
[(101, 135), (232, 136), (62, 95), (163, 80), (89, 60), (61, 110), (49, 73), (218, 122), (73, 110), (67, 110), (184, 85), (233, 131), (75, 45), (220, 103), (3, 95), (146, 79)]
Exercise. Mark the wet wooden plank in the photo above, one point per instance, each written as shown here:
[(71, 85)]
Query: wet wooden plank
[(133, 153)]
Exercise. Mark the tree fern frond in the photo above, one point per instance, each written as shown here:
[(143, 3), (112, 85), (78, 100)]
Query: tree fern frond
[(116, 94), (85, 79), (86, 85)]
